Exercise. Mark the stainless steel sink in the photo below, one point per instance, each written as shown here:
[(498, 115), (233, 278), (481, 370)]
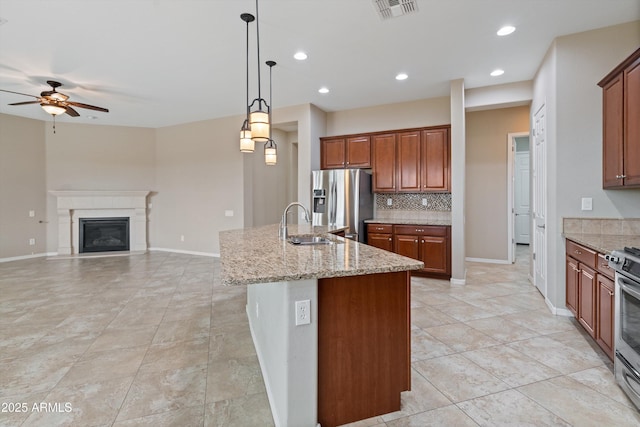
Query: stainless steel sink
[(310, 240)]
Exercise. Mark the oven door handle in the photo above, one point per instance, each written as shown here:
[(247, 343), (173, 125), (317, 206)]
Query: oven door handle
[(624, 286)]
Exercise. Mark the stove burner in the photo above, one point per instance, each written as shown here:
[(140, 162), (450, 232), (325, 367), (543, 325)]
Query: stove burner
[(633, 251)]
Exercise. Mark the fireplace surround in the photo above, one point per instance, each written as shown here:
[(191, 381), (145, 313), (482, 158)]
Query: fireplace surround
[(74, 205), (103, 234)]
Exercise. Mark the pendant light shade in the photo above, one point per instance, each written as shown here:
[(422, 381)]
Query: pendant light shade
[(270, 153), (259, 123)]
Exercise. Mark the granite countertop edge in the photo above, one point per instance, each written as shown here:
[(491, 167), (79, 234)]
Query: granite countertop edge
[(256, 255), (603, 243)]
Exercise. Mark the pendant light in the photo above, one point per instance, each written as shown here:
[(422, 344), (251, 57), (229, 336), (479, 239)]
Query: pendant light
[(270, 147), (259, 109), (247, 145)]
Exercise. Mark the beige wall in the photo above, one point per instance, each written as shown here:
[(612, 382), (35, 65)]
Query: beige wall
[(567, 83), (486, 179), (22, 186), (425, 112), (95, 157)]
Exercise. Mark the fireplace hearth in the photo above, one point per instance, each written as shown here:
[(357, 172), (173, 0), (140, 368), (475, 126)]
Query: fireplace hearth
[(103, 234)]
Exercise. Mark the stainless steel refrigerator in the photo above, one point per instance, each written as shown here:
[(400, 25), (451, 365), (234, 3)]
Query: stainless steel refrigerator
[(343, 198)]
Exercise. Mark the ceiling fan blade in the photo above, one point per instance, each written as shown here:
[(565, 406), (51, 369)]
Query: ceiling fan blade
[(70, 111), (19, 93), (90, 107), (25, 103)]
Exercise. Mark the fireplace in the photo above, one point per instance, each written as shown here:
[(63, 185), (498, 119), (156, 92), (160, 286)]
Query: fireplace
[(103, 234)]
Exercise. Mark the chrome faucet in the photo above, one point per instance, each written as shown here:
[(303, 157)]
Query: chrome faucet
[(283, 233)]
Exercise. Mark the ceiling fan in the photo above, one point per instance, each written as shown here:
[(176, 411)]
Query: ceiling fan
[(54, 102)]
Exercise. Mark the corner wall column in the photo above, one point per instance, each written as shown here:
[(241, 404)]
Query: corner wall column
[(458, 168)]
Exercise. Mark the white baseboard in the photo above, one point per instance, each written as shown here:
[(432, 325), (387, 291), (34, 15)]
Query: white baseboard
[(489, 260), (180, 251), (22, 257)]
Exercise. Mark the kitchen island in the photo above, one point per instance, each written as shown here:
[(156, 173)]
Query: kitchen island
[(330, 323)]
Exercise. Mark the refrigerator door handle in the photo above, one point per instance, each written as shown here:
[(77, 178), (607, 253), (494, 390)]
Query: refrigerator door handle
[(334, 201)]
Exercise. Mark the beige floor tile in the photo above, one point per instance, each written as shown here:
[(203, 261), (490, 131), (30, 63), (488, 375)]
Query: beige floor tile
[(463, 312), (511, 366), (133, 335), (425, 317), (578, 404), (183, 330), (542, 321), (458, 378), (509, 408), (502, 330), (175, 355), (447, 416), (233, 378), (425, 346), (247, 411), (461, 337), (369, 422), (157, 392), (601, 379), (184, 417)]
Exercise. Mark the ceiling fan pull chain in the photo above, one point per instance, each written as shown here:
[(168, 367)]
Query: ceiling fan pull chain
[(54, 124)]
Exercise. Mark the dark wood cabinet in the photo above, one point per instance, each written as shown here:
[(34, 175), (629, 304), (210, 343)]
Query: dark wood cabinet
[(587, 299), (409, 162), (380, 236), (605, 308), (430, 244), (436, 160), (590, 293), (384, 164), (345, 152), (620, 124)]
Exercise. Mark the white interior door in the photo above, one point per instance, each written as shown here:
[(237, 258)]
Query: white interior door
[(539, 178), (522, 206)]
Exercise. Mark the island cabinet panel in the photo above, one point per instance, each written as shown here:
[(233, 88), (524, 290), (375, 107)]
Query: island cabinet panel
[(384, 164), (364, 346)]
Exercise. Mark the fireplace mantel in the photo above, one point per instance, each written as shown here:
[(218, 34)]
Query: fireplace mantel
[(75, 204)]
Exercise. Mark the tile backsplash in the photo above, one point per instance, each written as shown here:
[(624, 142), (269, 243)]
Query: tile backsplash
[(606, 226), (413, 201)]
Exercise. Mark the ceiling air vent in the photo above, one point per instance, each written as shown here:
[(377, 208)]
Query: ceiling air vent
[(388, 9)]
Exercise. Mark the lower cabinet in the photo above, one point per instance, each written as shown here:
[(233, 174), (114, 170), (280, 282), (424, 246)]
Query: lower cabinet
[(590, 293), (430, 244)]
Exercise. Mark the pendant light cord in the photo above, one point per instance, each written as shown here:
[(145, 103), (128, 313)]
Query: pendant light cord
[(258, 47)]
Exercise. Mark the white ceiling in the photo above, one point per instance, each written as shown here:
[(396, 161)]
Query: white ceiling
[(156, 63)]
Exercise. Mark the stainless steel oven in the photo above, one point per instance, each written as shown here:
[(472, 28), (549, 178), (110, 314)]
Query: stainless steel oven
[(626, 263)]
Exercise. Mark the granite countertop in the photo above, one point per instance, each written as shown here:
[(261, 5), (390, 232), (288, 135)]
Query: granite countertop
[(409, 221), (603, 243), (257, 255)]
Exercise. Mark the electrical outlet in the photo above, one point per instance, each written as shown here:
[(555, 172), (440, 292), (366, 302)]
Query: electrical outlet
[(303, 312), (424, 201), (228, 213), (182, 238), (32, 241), (389, 201), (587, 204), (32, 214)]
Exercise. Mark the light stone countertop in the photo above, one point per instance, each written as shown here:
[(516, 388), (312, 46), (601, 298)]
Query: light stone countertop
[(257, 255), (409, 221), (604, 243)]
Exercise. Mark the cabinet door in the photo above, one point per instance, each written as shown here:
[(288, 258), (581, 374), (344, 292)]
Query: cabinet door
[(434, 253), (407, 245), (436, 161), (382, 241), (605, 316), (332, 153), (612, 133), (572, 278), (587, 299), (359, 152), (632, 124), (409, 161), (384, 163)]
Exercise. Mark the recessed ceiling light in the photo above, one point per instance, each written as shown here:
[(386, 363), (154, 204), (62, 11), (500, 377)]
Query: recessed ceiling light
[(402, 76), (300, 56), (506, 30), (323, 90), (497, 72)]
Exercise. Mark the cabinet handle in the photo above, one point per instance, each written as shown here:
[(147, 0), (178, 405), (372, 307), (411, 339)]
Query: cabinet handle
[(621, 176), (416, 241), (422, 241), (610, 293), (578, 252), (390, 239)]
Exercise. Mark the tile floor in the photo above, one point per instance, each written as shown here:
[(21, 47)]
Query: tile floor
[(155, 340)]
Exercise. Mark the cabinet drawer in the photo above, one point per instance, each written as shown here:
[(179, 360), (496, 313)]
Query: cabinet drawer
[(426, 230), (379, 228), (603, 267), (582, 254)]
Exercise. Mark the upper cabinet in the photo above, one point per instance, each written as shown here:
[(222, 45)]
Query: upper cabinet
[(621, 124), (403, 161), (345, 152)]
